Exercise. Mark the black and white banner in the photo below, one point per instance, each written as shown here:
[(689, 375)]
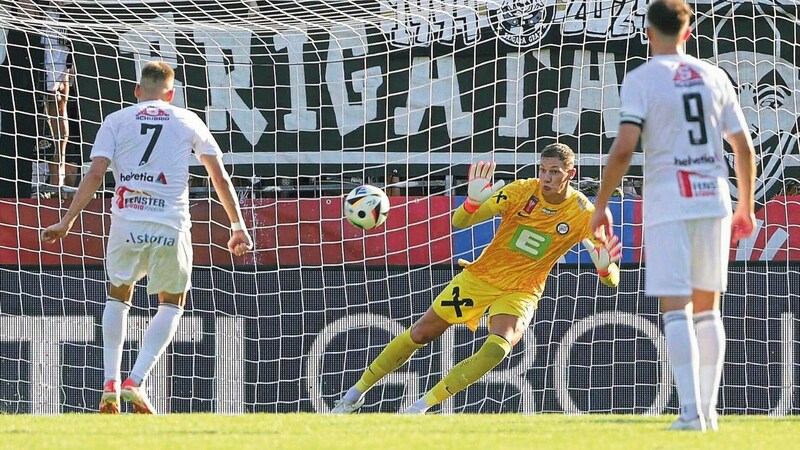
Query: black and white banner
[(398, 82)]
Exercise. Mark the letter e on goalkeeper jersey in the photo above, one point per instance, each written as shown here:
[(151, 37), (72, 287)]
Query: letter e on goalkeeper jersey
[(683, 106), (150, 145)]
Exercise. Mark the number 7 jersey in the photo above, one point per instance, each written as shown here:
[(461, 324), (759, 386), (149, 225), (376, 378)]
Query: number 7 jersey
[(150, 145)]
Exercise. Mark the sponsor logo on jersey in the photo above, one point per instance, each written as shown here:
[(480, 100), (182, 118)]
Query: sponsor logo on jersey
[(138, 200), (562, 228), (150, 178), (521, 23), (582, 204), (530, 242), (499, 197), (686, 76), (532, 202), (548, 211), (150, 239), (152, 112), (688, 161), (693, 184)]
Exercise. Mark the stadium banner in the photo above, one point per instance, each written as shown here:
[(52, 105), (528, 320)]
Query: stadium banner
[(423, 89), (312, 232), (294, 340)]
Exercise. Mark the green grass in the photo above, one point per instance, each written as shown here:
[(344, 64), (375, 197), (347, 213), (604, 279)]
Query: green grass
[(387, 431)]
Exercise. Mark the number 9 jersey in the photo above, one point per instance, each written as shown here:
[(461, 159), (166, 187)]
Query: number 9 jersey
[(150, 145), (683, 106)]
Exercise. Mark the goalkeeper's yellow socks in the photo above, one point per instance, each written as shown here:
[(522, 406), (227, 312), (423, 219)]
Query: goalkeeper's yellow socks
[(394, 355), (468, 371)]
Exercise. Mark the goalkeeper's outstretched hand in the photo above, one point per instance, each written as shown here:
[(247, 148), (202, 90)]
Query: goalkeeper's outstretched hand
[(479, 185), (605, 254)]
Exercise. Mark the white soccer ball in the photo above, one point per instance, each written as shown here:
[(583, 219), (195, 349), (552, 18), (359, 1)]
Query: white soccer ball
[(366, 207)]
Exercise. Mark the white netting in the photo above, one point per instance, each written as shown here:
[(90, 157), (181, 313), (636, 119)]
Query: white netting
[(311, 98)]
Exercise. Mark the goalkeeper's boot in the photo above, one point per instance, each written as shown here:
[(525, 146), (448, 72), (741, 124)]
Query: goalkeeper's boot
[(345, 407), (136, 395), (696, 423), (109, 401), (414, 410)]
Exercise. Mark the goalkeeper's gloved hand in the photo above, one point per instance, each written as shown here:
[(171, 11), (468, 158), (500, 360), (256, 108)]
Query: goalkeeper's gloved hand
[(479, 185), (604, 255)]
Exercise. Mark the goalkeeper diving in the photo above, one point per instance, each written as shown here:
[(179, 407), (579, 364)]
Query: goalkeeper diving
[(542, 219)]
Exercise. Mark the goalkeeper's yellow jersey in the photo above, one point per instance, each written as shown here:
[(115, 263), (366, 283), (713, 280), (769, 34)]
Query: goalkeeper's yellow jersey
[(532, 236)]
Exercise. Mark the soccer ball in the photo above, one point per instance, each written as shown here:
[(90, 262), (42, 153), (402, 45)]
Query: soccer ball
[(366, 207)]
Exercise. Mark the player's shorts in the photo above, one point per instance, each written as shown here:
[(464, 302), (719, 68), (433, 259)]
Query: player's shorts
[(136, 249), (467, 298), (56, 59), (685, 255)]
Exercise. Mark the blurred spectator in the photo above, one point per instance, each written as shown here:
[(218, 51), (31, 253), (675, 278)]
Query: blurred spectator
[(792, 187), (392, 184), (58, 72)]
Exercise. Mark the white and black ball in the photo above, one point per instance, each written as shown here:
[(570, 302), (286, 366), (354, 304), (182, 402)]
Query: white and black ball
[(366, 207)]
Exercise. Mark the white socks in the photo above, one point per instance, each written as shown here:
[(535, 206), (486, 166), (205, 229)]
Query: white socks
[(711, 343), (158, 335), (683, 354), (115, 327)]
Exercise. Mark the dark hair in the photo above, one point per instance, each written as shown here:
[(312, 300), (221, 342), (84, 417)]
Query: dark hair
[(560, 151), (669, 16)]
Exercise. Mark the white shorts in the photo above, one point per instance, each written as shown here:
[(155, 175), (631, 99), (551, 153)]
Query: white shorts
[(685, 255), (136, 249), (55, 65)]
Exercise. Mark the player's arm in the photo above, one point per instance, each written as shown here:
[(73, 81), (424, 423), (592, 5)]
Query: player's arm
[(89, 185), (605, 256), (738, 136), (475, 208), (240, 240)]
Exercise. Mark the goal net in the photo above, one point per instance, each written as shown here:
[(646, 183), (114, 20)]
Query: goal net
[(311, 98)]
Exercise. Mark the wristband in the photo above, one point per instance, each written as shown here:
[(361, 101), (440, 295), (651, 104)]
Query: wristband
[(470, 208), (237, 226)]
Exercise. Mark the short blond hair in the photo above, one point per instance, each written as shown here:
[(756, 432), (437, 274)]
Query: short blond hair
[(157, 75)]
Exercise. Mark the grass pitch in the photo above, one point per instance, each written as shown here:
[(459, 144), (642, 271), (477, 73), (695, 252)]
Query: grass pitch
[(387, 431)]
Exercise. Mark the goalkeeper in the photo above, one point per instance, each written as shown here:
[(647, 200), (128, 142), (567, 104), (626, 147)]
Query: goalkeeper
[(542, 218)]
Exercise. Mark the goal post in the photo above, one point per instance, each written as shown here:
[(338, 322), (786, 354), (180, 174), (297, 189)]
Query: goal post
[(310, 98)]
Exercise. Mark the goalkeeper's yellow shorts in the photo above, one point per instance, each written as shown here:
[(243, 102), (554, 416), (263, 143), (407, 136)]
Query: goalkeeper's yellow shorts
[(467, 298)]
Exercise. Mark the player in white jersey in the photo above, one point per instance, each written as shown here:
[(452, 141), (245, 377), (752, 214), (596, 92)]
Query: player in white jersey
[(149, 146), (682, 107)]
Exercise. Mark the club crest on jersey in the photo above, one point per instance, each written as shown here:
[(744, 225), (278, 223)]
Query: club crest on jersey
[(562, 228), (152, 112), (686, 76), (532, 202)]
